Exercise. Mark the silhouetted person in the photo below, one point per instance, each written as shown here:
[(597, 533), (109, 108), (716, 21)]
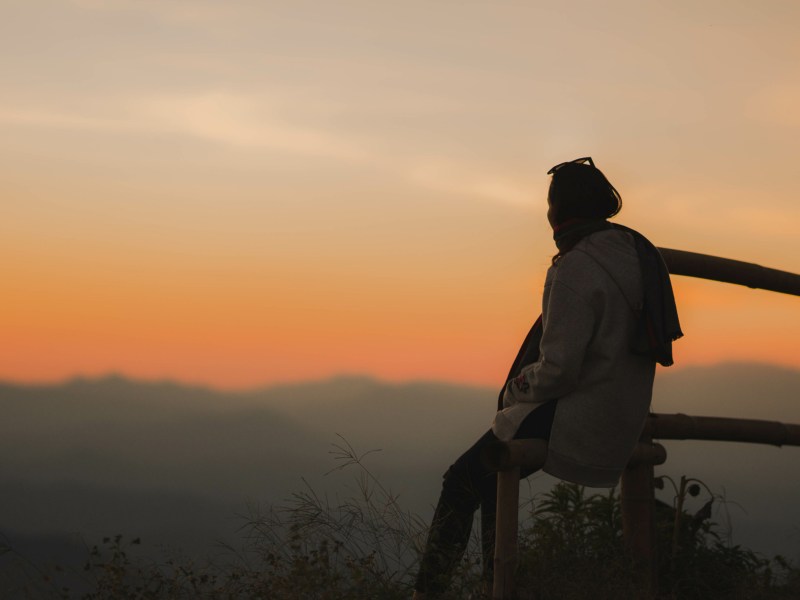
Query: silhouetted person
[(584, 377)]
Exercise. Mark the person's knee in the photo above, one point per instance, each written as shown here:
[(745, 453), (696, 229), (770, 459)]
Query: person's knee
[(459, 488)]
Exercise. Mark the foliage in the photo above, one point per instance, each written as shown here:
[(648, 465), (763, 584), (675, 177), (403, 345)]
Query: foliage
[(367, 547), (572, 547), (573, 543)]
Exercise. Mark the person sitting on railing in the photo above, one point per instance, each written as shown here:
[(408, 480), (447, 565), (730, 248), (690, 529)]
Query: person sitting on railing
[(584, 377)]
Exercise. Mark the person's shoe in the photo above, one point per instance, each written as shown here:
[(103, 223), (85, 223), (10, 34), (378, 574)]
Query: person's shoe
[(419, 596)]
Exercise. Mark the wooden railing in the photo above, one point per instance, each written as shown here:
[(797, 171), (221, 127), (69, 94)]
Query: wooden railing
[(692, 264), (638, 494)]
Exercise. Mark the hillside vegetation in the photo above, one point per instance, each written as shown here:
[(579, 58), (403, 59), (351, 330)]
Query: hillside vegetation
[(367, 547)]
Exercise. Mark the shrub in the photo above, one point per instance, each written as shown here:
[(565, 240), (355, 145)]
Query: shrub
[(367, 547)]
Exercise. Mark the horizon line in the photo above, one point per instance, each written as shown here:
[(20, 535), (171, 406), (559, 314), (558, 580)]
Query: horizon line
[(366, 377)]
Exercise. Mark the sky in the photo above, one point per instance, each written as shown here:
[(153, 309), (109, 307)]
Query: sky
[(242, 193)]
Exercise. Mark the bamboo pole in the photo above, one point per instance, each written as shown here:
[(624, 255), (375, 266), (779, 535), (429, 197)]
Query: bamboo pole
[(693, 264), (506, 458), (507, 525), (686, 427), (531, 454), (638, 517)]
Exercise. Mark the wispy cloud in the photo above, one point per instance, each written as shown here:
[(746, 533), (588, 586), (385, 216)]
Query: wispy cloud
[(714, 215), (450, 177), (258, 122), (240, 120), (218, 117)]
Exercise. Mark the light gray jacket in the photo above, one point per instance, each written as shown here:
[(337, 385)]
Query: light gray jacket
[(589, 311)]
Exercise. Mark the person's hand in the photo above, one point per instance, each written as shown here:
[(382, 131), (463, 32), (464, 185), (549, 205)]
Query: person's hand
[(508, 399), (515, 388), (503, 428)]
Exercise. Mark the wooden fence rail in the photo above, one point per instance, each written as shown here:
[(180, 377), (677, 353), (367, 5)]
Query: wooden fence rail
[(693, 264), (637, 494), (686, 427)]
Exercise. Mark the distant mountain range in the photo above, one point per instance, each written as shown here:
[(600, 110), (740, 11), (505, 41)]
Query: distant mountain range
[(176, 464)]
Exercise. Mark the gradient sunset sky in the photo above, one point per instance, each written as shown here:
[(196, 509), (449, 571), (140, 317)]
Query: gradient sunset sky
[(241, 193)]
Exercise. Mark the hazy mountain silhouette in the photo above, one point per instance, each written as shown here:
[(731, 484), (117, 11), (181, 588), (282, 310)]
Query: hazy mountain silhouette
[(175, 464)]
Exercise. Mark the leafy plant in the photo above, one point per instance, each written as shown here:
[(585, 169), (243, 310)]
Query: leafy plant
[(367, 546)]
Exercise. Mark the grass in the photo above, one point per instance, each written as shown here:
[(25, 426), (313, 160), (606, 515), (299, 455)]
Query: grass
[(367, 547)]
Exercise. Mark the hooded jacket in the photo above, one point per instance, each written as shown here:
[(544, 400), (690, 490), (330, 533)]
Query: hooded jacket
[(590, 308)]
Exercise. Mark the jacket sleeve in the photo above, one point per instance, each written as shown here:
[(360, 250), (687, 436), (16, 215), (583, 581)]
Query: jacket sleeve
[(568, 329)]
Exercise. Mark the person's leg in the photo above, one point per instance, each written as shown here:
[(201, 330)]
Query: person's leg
[(465, 485), (468, 484)]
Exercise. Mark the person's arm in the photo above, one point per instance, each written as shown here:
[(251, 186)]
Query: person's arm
[(568, 329)]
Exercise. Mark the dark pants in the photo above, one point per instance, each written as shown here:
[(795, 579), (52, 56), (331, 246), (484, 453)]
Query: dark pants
[(467, 485)]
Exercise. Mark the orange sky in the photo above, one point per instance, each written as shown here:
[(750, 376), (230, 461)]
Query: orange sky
[(242, 193)]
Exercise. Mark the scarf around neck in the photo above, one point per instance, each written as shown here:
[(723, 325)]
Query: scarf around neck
[(572, 231)]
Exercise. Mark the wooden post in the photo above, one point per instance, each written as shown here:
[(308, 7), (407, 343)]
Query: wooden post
[(507, 458), (505, 552), (638, 519)]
